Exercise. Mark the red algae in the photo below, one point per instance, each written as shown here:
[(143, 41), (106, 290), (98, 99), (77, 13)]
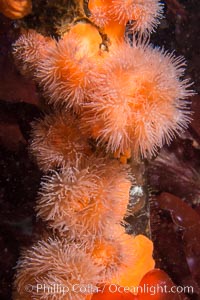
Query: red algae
[(186, 218)]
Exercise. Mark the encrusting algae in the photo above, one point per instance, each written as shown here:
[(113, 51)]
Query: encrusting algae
[(111, 99)]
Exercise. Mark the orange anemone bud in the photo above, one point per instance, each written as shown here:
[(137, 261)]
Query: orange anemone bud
[(15, 9), (142, 263), (88, 37), (83, 202), (137, 100), (157, 285), (115, 252), (56, 141), (55, 269), (29, 49)]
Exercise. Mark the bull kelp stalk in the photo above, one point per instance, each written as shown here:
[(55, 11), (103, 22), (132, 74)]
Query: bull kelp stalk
[(110, 106)]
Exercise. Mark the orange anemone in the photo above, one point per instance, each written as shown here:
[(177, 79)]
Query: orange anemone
[(56, 141), (65, 72), (138, 100), (85, 200), (55, 268), (15, 9), (29, 49)]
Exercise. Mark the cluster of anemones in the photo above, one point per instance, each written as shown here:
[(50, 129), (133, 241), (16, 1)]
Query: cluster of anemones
[(110, 98), (131, 99), (83, 197)]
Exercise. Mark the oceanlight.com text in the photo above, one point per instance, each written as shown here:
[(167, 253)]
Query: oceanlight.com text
[(56, 288), (151, 289)]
